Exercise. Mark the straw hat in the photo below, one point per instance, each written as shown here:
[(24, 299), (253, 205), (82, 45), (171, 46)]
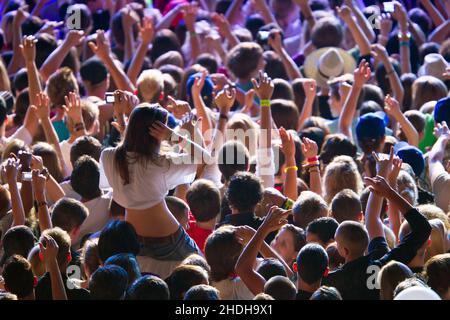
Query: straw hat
[(327, 63)]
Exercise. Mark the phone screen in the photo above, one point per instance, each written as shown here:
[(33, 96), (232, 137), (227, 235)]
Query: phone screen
[(388, 6), (109, 97)]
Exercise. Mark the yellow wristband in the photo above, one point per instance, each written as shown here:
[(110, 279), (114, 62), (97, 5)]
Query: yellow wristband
[(288, 168), (265, 103)]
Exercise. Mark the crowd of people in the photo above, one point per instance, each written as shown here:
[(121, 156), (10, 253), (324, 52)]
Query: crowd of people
[(224, 149)]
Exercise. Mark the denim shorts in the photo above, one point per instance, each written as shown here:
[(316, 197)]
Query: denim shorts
[(177, 247)]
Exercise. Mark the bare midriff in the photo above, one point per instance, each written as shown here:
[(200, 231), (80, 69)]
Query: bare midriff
[(154, 222)]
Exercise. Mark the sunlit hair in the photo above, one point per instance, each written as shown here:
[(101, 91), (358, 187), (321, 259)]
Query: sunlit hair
[(138, 145), (427, 88), (407, 187), (390, 276), (242, 128), (341, 173)]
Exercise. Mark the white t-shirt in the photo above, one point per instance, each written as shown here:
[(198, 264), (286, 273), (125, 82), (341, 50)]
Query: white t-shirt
[(98, 215), (233, 289), (65, 150), (150, 182), (22, 134)]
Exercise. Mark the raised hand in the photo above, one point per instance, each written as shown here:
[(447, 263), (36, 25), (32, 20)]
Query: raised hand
[(50, 27), (400, 15), (21, 15), (379, 186), (73, 107), (197, 87), (384, 165), (275, 41), (37, 163), (392, 107), (49, 249), (39, 179), (11, 169), (441, 131), (190, 15), (275, 219), (178, 108), (221, 22), (146, 30), (393, 175), (264, 86), (309, 86), (75, 37), (28, 48), (42, 105), (103, 48), (361, 74), (225, 99), (129, 18), (160, 131), (124, 102), (385, 24), (345, 13), (379, 52), (287, 143), (309, 148)]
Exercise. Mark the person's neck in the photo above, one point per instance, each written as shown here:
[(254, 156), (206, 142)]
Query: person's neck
[(302, 285), (208, 225), (2, 130), (351, 257), (243, 81), (84, 200), (98, 92)]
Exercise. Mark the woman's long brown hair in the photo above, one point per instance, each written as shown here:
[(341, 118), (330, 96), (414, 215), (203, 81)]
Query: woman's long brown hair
[(138, 145)]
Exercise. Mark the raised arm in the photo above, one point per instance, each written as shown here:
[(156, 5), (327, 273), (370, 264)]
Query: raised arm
[(43, 110), (190, 15), (436, 154), (17, 59), (166, 21), (28, 48), (401, 16), (360, 38), (288, 149), (54, 190), (10, 171), (433, 12), (233, 11), (129, 19), (394, 215), (310, 89), (275, 219), (39, 181), (363, 23), (224, 101), (225, 29), (264, 89), (392, 108), (147, 34), (378, 187), (385, 22), (289, 64), (103, 50), (49, 249), (199, 104), (361, 75), (264, 10), (380, 53), (310, 151), (54, 60), (440, 33), (307, 12)]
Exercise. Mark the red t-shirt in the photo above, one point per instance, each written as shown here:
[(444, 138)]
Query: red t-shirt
[(198, 234)]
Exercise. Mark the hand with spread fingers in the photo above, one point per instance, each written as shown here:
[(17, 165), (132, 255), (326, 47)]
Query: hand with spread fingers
[(275, 219), (379, 186), (384, 165), (225, 99), (263, 86), (73, 107), (361, 74), (102, 47)]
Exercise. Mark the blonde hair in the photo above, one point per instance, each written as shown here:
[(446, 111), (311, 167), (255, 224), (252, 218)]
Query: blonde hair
[(390, 276), (150, 84), (342, 173), (427, 88), (430, 211)]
